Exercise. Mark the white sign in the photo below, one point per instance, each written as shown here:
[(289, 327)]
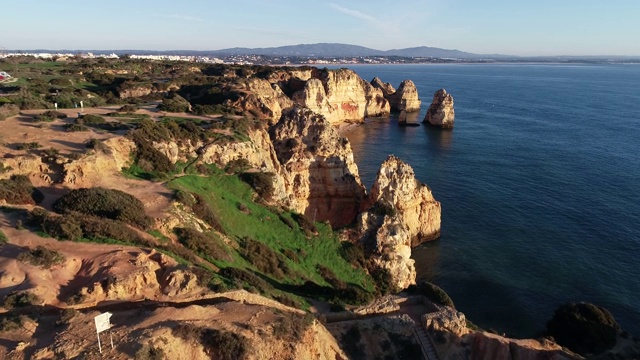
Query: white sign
[(102, 322)]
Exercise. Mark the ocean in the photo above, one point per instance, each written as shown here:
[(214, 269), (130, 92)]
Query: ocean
[(539, 182)]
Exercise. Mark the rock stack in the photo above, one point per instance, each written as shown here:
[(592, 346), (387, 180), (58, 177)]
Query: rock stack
[(441, 111)]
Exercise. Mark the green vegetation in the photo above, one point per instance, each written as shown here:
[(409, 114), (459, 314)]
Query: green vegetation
[(224, 344), (3, 238), (28, 146), (264, 238), (583, 328), (107, 203), (49, 116), (148, 352), (90, 119), (42, 257), (19, 190), (174, 103), (8, 110), (11, 322), (19, 299), (435, 294)]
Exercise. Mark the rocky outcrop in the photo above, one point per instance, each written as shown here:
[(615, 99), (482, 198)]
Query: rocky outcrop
[(111, 158), (399, 213), (397, 189), (387, 88), (134, 91), (405, 98), (454, 340), (319, 172), (441, 112), (257, 152), (341, 95), (270, 97), (388, 242)]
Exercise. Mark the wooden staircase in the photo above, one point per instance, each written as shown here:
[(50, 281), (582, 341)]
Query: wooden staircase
[(428, 351)]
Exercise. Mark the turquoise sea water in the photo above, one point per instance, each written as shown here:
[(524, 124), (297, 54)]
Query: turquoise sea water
[(539, 182)]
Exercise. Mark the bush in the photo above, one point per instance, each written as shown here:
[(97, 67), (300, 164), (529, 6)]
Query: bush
[(108, 203), (20, 299), (292, 327), (262, 183), (305, 224), (3, 238), (90, 119), (19, 190), (224, 344), (75, 128), (583, 328), (8, 110), (28, 146), (203, 244), (42, 257), (201, 209), (264, 258), (10, 322), (175, 103), (330, 277), (354, 254), (237, 166), (435, 294), (97, 145), (383, 280), (128, 108), (148, 352), (242, 279)]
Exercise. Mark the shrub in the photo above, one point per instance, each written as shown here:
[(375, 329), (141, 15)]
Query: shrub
[(244, 279), (42, 257), (201, 243), (175, 103), (383, 280), (291, 327), (148, 352), (20, 299), (108, 203), (19, 190), (237, 166), (3, 238), (8, 110), (305, 224), (128, 108), (584, 328), (75, 128), (66, 316), (28, 146), (330, 277), (97, 145), (10, 322), (202, 210), (224, 345), (90, 119), (261, 182), (435, 294), (264, 258), (353, 253)]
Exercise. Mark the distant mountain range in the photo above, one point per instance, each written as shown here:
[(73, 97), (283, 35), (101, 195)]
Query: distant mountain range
[(325, 50)]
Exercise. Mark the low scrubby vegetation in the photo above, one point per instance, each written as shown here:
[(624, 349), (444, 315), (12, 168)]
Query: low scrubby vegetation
[(584, 328), (18, 299), (107, 203), (435, 294), (148, 352), (19, 190), (223, 345), (8, 110), (206, 244), (42, 257)]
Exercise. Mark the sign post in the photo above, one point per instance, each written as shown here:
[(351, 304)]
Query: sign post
[(102, 324)]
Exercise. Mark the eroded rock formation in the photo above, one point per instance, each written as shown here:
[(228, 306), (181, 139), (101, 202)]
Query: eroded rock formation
[(341, 95), (405, 98), (319, 172), (397, 188), (441, 112)]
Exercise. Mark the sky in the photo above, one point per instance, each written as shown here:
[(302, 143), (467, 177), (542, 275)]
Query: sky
[(512, 27)]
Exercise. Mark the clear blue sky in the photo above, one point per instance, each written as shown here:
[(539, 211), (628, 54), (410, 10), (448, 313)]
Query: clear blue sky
[(528, 27)]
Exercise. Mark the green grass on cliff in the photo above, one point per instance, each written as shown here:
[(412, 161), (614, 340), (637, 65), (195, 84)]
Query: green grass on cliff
[(302, 256)]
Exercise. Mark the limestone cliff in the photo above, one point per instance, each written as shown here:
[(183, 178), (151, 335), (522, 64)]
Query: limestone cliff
[(341, 95), (397, 188), (388, 243), (111, 159), (271, 98), (441, 112), (454, 340), (405, 98), (387, 88), (319, 172)]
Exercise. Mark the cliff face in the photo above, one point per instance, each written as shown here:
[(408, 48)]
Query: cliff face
[(404, 99), (396, 187), (273, 101), (454, 340), (341, 95), (319, 172), (441, 112), (400, 212)]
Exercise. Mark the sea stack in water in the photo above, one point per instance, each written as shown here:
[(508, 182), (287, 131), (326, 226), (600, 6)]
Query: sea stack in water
[(441, 111), (405, 98)]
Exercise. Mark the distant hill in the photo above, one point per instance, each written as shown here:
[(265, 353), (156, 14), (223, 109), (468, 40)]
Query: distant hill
[(341, 50)]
